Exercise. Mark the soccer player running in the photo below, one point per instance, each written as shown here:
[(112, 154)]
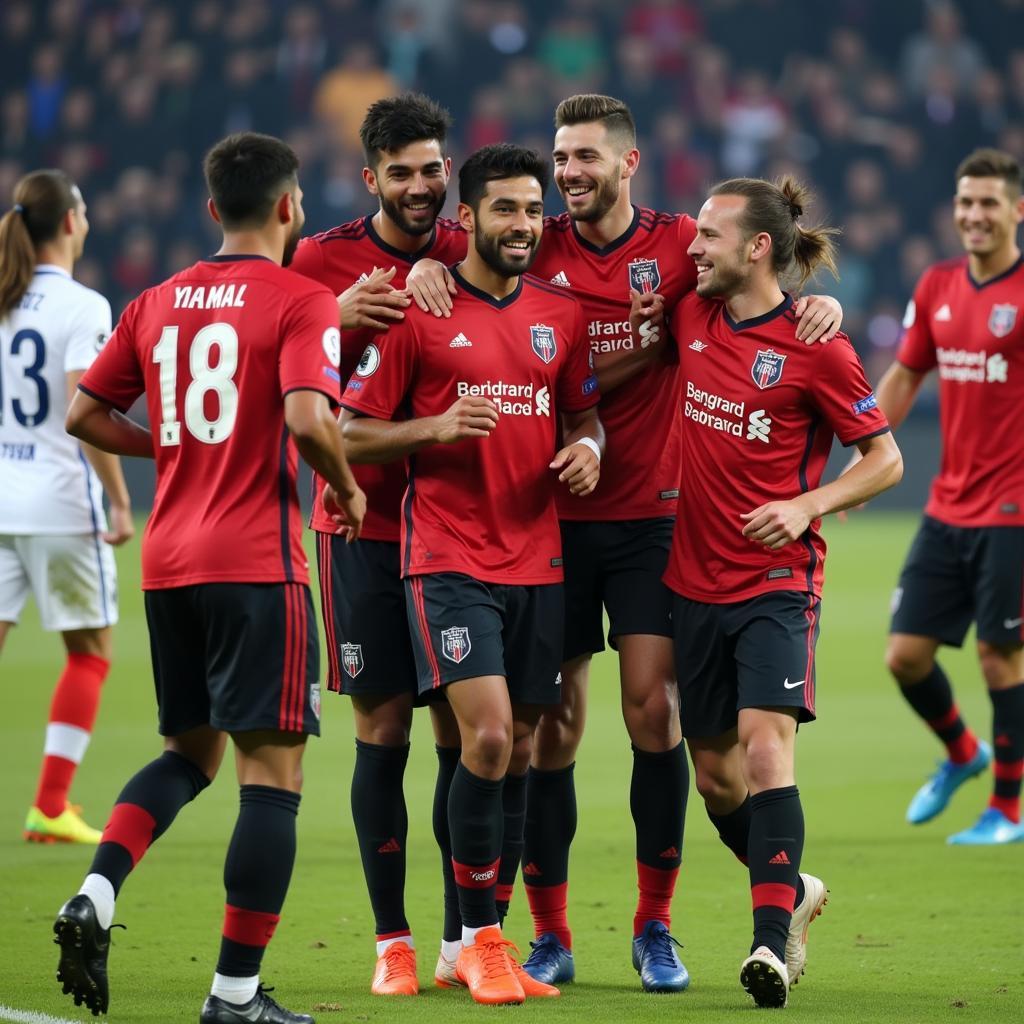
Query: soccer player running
[(967, 561), (760, 411), (370, 653), (481, 552), (616, 542), (51, 328), (238, 360)]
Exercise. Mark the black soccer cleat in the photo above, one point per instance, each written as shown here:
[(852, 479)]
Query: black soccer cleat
[(261, 1009), (84, 946)]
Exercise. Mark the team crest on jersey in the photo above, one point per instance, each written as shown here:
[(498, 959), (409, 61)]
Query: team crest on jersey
[(352, 659), (542, 338), (1002, 320), (455, 643), (767, 369), (314, 699), (644, 275)]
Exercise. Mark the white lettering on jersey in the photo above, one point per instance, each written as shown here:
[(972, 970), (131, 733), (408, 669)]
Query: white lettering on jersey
[(219, 296), (965, 367)]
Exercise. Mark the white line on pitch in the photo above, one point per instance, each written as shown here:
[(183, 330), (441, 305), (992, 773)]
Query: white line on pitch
[(8, 1013)]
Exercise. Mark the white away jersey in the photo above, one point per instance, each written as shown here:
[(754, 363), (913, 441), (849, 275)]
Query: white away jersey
[(46, 484)]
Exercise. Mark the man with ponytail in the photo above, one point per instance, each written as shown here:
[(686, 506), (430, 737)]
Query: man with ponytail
[(54, 537), (760, 410)]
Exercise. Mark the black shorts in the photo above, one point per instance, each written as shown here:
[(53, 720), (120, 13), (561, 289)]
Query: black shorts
[(757, 653), (363, 602), (237, 656), (954, 575), (462, 628), (617, 565)]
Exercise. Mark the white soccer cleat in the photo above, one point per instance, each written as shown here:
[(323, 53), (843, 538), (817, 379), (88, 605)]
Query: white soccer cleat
[(764, 976), (815, 898), (444, 973)]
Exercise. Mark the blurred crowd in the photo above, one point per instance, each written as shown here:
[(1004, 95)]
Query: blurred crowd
[(872, 101)]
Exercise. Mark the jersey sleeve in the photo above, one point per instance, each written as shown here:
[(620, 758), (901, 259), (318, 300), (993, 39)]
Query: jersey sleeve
[(89, 330), (842, 394), (577, 381), (115, 376), (384, 375), (917, 349), (310, 351), (309, 260)]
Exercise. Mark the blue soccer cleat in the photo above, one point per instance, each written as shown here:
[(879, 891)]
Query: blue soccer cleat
[(656, 962), (993, 828), (933, 797), (550, 962)]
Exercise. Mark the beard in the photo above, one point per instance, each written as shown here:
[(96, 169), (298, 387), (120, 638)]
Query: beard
[(600, 201), (490, 251), (402, 219), (724, 281), (293, 243)]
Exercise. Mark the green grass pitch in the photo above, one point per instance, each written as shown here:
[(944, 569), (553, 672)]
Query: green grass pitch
[(915, 931)]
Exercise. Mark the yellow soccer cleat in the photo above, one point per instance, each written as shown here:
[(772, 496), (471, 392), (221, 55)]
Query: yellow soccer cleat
[(67, 827)]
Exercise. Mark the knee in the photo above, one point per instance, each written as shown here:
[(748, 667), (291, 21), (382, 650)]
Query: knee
[(1000, 668), (558, 735), (522, 750), (652, 718), (714, 783), (907, 665), (766, 762), (386, 734), (488, 748)]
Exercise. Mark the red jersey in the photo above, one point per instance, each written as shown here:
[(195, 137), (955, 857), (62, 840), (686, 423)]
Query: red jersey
[(215, 349), (483, 506), (338, 258), (760, 409), (974, 334), (640, 470)]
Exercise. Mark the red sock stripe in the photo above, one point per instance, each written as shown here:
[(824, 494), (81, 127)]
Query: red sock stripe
[(963, 748), (812, 619), (327, 609), (773, 894), (548, 907), (1008, 771), (503, 892), (76, 697), (1009, 805), (249, 927), (54, 782), (130, 826), (656, 887), (421, 619), (947, 720), (475, 876), (406, 933)]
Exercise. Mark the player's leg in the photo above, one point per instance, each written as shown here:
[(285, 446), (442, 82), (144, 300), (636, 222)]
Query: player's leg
[(932, 605), (718, 776)]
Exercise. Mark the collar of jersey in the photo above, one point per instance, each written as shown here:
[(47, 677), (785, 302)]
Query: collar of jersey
[(231, 258), (51, 268), (486, 296), (408, 257), (756, 321), (613, 245), (978, 285)]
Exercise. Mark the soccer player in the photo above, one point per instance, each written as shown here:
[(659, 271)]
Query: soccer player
[(481, 553), (967, 561), (238, 360), (746, 568), (616, 542), (54, 537), (370, 653)]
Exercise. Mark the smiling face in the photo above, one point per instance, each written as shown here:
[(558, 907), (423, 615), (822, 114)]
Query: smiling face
[(986, 215), (507, 224), (410, 183), (721, 252), (590, 169)]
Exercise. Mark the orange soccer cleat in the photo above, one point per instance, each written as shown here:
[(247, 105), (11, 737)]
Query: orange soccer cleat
[(396, 972), (532, 988), (486, 969)]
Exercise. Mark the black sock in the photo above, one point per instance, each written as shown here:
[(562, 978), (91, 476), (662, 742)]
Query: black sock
[(513, 803), (932, 698), (382, 826), (257, 870), (1008, 749), (657, 800), (776, 846), (143, 812), (475, 820), (550, 825), (734, 828), (447, 762)]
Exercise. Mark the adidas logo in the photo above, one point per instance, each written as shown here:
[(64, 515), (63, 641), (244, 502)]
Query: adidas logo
[(698, 345), (561, 280), (460, 341), (391, 846), (944, 313), (532, 870), (1002, 740), (670, 854), (779, 858)]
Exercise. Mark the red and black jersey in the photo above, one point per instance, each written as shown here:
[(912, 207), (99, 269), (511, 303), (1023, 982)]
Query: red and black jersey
[(640, 470), (338, 258), (484, 506), (215, 349), (974, 334), (760, 409)]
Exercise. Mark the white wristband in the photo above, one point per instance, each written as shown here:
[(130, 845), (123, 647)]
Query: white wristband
[(591, 444)]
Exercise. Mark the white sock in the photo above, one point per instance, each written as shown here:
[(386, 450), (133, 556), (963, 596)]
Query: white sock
[(469, 934), (450, 950), (234, 990), (384, 943), (101, 892)]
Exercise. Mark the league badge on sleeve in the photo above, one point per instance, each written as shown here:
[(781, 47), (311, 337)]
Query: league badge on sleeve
[(644, 275), (352, 659), (542, 338), (1002, 320), (455, 643), (767, 369)]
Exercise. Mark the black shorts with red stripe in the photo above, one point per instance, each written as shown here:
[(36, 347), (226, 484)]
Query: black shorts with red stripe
[(757, 653), (462, 628), (237, 656)]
